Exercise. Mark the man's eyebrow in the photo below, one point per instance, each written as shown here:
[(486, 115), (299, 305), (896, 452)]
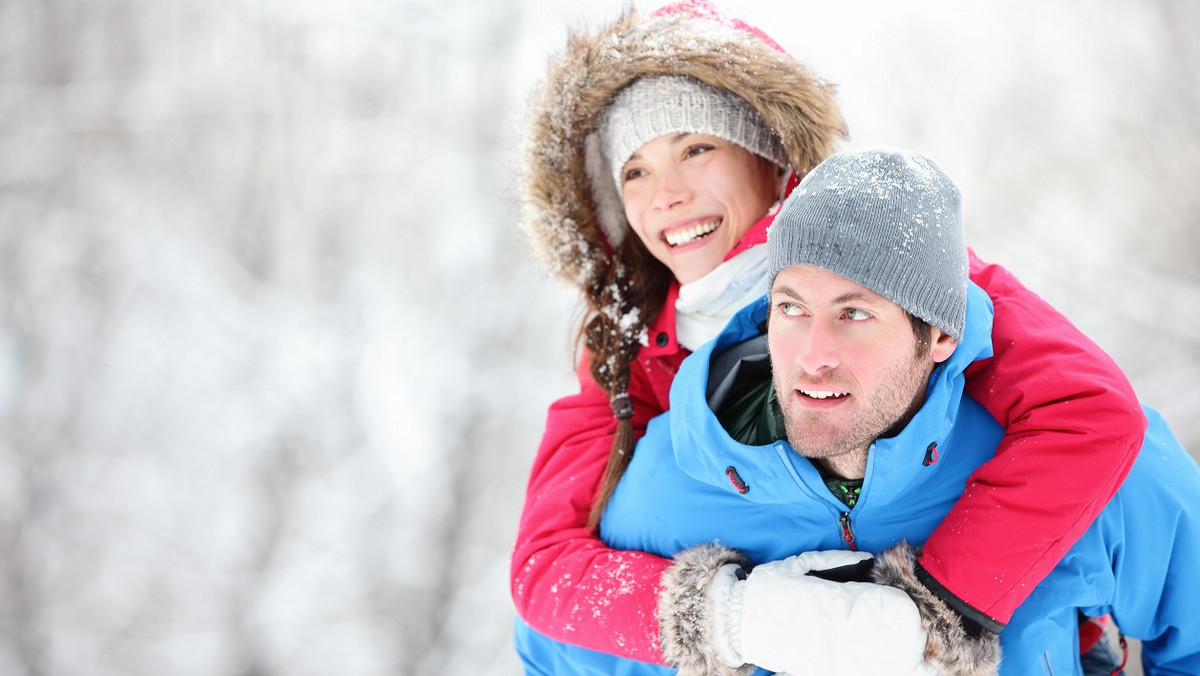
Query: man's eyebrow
[(787, 291), (853, 296)]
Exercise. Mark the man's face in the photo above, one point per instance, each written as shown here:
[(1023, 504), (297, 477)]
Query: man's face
[(846, 364)]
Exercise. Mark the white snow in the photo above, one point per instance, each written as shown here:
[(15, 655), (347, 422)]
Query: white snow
[(274, 357)]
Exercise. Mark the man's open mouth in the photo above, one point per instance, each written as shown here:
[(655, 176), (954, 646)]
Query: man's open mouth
[(824, 394)]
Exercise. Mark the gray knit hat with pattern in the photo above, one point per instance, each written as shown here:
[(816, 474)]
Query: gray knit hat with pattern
[(890, 220), (653, 106)]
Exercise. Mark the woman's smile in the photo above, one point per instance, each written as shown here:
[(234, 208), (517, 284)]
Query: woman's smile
[(690, 234)]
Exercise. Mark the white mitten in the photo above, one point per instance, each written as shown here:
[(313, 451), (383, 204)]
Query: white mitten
[(781, 618), (715, 621)]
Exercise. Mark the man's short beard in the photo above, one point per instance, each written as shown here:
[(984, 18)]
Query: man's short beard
[(901, 395), (887, 413)]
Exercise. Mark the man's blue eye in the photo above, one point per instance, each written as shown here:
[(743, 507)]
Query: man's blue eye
[(854, 314), (790, 309)]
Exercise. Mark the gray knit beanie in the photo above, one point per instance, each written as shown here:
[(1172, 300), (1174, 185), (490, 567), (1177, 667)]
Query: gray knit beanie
[(654, 106), (888, 220)]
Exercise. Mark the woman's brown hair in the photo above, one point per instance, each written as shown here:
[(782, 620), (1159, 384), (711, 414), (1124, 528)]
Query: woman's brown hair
[(620, 304)]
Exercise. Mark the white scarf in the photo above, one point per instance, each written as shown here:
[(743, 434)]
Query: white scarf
[(706, 305)]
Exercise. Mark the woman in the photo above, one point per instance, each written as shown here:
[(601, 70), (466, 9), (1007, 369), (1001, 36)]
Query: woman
[(650, 301)]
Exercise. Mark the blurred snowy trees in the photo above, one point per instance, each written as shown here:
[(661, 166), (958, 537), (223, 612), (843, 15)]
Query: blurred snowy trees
[(274, 356), (270, 367)]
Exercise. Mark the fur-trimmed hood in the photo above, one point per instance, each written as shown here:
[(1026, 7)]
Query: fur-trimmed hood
[(562, 208)]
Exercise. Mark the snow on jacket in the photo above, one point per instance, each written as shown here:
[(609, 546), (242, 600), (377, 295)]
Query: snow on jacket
[(1137, 560), (1065, 404)]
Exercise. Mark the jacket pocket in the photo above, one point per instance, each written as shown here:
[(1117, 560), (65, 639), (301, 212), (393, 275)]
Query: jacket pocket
[(1047, 664)]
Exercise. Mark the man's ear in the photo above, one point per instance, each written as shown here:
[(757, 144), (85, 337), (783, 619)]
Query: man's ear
[(943, 346)]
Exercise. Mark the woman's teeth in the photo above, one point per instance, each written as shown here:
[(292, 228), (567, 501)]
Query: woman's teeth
[(689, 235)]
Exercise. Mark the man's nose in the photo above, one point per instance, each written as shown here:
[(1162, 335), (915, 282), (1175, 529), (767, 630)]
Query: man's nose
[(818, 350)]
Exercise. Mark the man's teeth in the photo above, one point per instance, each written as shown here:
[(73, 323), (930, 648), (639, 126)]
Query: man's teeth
[(689, 235), (822, 394)]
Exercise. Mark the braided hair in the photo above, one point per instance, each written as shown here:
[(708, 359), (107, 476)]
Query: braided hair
[(620, 305)]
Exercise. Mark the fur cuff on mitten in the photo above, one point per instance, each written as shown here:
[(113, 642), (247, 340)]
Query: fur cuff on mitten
[(949, 647), (686, 615)]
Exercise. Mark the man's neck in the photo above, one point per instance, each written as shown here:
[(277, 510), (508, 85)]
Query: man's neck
[(849, 466)]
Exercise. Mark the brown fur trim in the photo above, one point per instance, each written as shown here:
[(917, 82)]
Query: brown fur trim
[(559, 207), (949, 648), (685, 614)]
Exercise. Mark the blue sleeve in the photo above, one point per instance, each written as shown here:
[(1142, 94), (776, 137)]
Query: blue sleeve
[(1156, 566)]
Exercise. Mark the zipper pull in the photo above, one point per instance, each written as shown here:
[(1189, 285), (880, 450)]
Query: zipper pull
[(847, 532)]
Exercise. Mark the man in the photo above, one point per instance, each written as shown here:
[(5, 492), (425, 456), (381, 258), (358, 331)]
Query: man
[(870, 322)]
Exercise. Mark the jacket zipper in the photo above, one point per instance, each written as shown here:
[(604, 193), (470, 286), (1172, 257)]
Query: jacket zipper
[(847, 531)]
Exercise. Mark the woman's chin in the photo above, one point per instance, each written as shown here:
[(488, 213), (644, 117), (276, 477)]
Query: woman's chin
[(688, 269)]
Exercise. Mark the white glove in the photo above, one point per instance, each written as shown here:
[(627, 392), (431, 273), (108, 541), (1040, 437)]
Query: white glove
[(783, 619)]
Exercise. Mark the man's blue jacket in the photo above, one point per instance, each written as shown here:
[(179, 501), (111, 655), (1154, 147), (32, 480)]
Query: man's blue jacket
[(690, 483)]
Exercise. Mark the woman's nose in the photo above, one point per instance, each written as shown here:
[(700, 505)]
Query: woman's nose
[(670, 190)]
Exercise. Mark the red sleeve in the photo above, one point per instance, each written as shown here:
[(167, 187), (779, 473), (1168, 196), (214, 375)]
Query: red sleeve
[(1073, 429), (566, 583)]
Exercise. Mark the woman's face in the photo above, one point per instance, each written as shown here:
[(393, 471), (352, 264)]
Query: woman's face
[(691, 197)]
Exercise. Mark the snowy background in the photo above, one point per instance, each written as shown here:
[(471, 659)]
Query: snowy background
[(274, 355)]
